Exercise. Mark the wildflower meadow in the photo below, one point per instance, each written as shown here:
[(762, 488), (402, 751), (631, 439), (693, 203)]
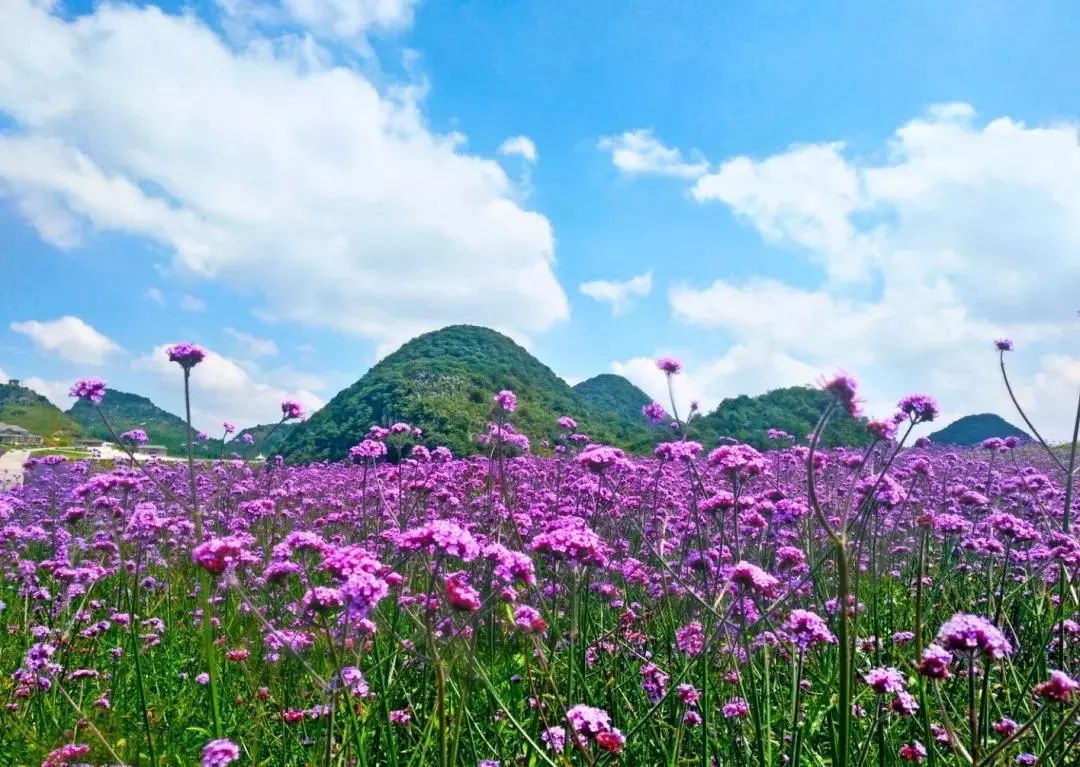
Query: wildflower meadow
[(556, 604)]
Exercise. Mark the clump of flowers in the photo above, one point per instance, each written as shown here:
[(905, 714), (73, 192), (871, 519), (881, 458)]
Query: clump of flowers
[(186, 355), (89, 389)]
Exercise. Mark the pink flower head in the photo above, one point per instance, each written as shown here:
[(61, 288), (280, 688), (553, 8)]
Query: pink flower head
[(292, 410), (883, 680), (219, 753), (1060, 687), (913, 752), (844, 389), (229, 427), (186, 355), (669, 365), (587, 720), (935, 662), (754, 578), (89, 389), (919, 408), (965, 633), (805, 629), (134, 437), (507, 400), (736, 708), (654, 413)]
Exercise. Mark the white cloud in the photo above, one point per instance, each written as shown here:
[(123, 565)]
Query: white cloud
[(69, 338), (639, 152), (620, 295), (54, 391), (192, 304), (804, 196), (958, 233), (305, 182), (154, 295), (351, 18), (253, 346), (222, 390), (520, 146)]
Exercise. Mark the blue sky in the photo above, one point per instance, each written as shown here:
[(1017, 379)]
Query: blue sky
[(878, 187)]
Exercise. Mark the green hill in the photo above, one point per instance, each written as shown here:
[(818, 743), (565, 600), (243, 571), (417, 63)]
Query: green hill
[(612, 394), (795, 410), (444, 382), (130, 411), (20, 406), (277, 434), (973, 429)]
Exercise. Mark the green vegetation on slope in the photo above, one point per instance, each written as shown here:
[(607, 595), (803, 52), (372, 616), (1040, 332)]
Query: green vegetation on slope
[(795, 410), (973, 429), (277, 434), (443, 382), (130, 411), (612, 394), (20, 406)]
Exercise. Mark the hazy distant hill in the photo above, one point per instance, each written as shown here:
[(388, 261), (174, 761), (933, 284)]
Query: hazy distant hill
[(973, 429), (131, 411), (23, 407)]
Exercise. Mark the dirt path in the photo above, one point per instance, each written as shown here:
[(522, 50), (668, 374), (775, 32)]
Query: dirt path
[(11, 467)]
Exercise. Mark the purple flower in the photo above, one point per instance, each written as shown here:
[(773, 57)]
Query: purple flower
[(219, 753), (805, 629), (507, 400), (186, 355), (588, 720), (736, 708), (883, 680), (844, 389), (247, 439), (669, 365), (229, 427), (368, 449), (290, 410), (754, 578), (1003, 345), (1059, 687), (88, 389), (965, 633), (654, 413), (919, 408), (135, 437), (690, 639), (554, 738)]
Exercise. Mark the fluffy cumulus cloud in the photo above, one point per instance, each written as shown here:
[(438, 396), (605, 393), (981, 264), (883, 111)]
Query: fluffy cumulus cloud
[(639, 152), (961, 231), (620, 295), (223, 389), (264, 166), (70, 339)]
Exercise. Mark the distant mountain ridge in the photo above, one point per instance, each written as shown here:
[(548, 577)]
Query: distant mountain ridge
[(973, 429), (277, 434), (126, 411), (443, 382), (794, 409), (612, 394), (20, 406)]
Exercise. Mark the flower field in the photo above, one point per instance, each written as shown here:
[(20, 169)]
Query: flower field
[(565, 606)]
